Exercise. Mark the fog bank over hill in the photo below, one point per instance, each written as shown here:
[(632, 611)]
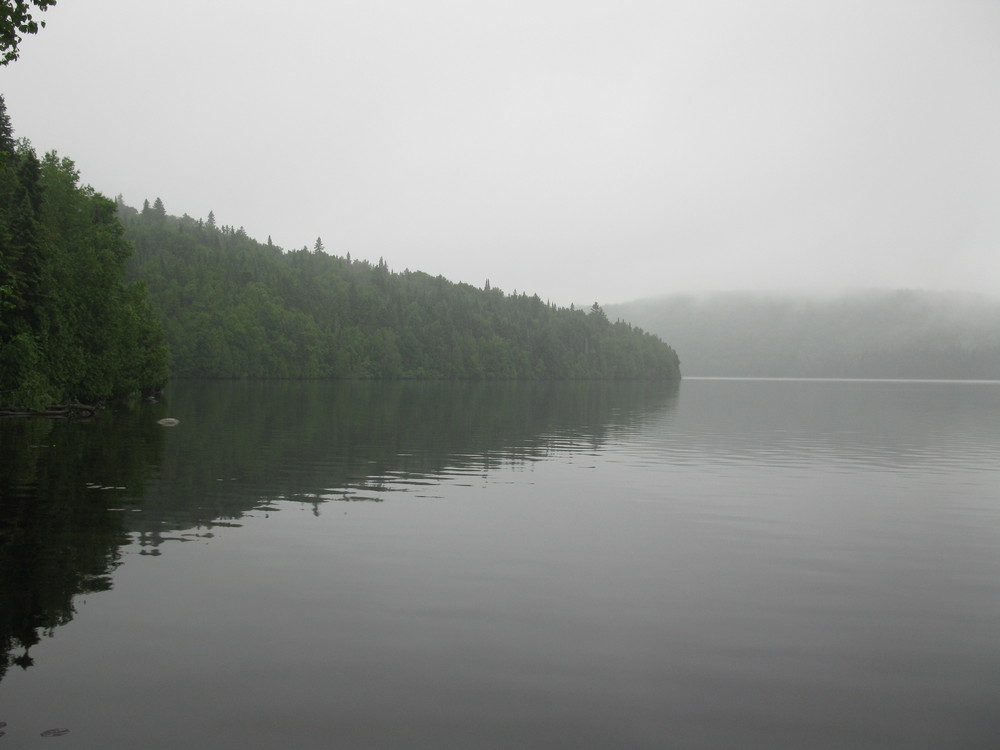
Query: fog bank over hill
[(582, 151), (862, 334)]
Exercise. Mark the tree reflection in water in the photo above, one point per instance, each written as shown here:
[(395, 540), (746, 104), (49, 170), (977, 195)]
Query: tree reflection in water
[(72, 494)]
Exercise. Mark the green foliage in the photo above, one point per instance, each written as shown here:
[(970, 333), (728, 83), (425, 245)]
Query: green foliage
[(233, 307), (15, 21), (6, 133), (70, 328)]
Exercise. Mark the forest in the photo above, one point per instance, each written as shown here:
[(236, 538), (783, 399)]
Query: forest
[(99, 300), (874, 333), (71, 328), (233, 307)]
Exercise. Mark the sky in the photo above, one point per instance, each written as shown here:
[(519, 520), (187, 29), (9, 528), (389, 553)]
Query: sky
[(575, 149)]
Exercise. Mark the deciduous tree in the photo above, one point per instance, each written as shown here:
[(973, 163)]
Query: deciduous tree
[(16, 20)]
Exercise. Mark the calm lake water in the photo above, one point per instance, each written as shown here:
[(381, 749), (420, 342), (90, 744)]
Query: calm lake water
[(714, 564)]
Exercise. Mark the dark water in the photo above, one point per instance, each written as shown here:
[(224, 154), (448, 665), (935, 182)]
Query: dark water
[(719, 564)]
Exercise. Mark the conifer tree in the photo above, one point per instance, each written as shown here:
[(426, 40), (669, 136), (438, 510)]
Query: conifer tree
[(71, 329), (6, 133)]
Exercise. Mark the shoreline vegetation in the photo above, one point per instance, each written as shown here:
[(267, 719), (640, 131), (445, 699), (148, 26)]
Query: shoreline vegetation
[(100, 301), (72, 329), (233, 307)]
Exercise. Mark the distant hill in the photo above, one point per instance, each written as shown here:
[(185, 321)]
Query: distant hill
[(873, 334), (233, 307)]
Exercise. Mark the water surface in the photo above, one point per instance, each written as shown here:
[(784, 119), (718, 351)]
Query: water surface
[(751, 564)]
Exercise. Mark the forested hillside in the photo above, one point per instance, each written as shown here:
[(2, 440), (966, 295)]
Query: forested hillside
[(71, 329), (873, 334), (233, 307)]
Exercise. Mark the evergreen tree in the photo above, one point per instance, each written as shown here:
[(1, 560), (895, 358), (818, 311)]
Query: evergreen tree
[(70, 328), (24, 252), (6, 133), (598, 313), (240, 309)]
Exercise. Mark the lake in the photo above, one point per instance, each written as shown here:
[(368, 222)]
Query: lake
[(711, 564)]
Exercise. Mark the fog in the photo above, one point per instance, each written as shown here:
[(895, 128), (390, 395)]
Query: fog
[(579, 150), (861, 334)]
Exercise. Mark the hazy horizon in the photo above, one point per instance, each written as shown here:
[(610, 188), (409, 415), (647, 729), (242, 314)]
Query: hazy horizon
[(818, 295), (580, 151)]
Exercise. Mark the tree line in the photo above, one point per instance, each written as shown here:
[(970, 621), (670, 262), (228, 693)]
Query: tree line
[(99, 299), (233, 307)]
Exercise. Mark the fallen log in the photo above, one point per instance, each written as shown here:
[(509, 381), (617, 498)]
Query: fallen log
[(59, 411)]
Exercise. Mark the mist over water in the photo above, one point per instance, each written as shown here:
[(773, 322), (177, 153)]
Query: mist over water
[(864, 333)]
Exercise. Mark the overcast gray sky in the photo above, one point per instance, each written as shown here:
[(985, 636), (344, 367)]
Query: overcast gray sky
[(580, 150)]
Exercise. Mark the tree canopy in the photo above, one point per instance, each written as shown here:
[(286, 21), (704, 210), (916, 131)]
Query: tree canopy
[(234, 307), (16, 20), (71, 329)]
